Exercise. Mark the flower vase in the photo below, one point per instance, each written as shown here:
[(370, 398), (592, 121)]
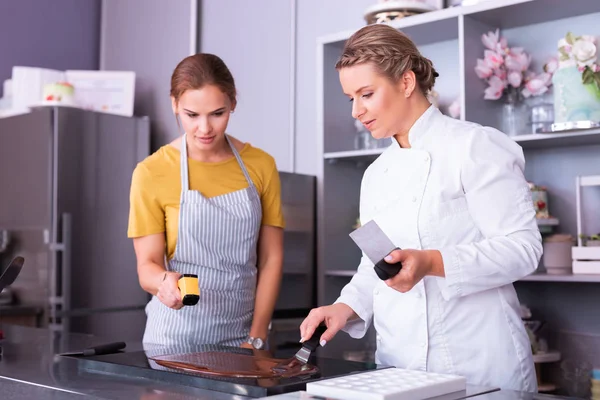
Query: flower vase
[(541, 115), (514, 114)]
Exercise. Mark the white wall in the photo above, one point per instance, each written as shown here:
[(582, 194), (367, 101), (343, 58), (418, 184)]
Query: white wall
[(149, 37), (317, 18), (253, 39), (257, 42)]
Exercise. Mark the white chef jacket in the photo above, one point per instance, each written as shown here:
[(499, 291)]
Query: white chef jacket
[(459, 189)]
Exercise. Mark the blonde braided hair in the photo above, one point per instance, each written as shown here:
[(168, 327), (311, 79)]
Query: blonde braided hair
[(391, 52)]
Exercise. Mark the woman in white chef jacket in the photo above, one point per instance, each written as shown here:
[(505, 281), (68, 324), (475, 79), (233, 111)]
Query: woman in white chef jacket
[(453, 196)]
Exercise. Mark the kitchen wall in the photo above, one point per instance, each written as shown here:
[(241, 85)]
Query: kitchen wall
[(149, 37), (277, 84), (59, 34)]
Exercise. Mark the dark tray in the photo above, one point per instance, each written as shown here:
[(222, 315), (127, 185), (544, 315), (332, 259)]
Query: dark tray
[(137, 365)]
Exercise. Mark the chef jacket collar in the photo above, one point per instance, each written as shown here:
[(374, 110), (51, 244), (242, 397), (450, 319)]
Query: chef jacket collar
[(419, 129)]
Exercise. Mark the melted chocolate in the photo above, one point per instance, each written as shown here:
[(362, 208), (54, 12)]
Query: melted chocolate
[(235, 365)]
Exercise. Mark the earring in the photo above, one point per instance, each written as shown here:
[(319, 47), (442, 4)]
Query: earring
[(407, 93)]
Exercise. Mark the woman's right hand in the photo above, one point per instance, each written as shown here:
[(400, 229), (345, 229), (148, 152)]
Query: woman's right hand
[(335, 317), (168, 291)]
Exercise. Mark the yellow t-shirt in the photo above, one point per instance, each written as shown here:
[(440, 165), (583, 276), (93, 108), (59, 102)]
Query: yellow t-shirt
[(156, 189)]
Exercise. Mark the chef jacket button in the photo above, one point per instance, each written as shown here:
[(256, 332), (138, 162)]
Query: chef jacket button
[(418, 295), (376, 291), (426, 158), (414, 199), (385, 171), (423, 344)]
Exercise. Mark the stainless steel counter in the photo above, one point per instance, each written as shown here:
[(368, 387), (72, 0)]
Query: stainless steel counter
[(30, 369)]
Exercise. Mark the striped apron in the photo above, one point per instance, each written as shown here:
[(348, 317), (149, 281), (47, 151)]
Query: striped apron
[(217, 241)]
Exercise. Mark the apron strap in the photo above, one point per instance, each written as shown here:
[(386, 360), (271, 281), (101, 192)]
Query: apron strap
[(185, 182), (239, 160)]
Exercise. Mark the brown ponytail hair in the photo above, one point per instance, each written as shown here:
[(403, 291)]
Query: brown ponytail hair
[(391, 52), (199, 70)]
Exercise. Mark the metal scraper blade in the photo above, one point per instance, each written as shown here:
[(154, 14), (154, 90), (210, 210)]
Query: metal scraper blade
[(12, 271), (372, 241)]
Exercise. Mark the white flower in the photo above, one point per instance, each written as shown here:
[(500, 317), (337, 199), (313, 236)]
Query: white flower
[(562, 43), (551, 66), (584, 52), (588, 38)]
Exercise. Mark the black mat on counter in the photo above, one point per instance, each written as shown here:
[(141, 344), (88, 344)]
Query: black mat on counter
[(137, 365)]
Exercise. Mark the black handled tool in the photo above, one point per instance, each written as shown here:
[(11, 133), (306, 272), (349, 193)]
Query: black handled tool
[(302, 356), (376, 245), (108, 348), (385, 270), (308, 346)]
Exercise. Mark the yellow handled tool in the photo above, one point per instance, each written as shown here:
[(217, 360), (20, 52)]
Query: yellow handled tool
[(190, 292)]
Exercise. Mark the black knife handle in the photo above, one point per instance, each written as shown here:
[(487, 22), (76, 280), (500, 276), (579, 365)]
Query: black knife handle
[(108, 348), (314, 340), (386, 270)]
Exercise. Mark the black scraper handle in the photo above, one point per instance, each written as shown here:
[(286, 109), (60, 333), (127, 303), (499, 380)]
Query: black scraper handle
[(385, 270), (104, 349), (315, 339)]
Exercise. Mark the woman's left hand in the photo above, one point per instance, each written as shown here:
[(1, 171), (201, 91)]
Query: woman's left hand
[(415, 265)]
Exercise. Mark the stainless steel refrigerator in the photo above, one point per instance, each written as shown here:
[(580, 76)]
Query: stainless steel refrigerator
[(65, 175)]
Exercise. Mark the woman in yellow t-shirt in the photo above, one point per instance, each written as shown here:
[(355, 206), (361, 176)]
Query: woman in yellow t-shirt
[(209, 205)]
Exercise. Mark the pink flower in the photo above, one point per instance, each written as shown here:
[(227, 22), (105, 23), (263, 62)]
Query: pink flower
[(515, 51), (595, 67), (535, 87), (482, 70), (512, 63), (505, 67), (454, 109), (490, 40), (580, 67), (545, 77), (551, 66), (502, 45), (493, 59), (518, 61), (528, 75), (515, 79), (501, 73), (495, 89)]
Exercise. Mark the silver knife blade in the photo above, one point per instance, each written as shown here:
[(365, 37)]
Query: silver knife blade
[(372, 241), (11, 272)]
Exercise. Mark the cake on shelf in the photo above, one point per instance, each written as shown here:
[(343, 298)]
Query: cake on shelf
[(577, 80), (58, 93), (385, 11)]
